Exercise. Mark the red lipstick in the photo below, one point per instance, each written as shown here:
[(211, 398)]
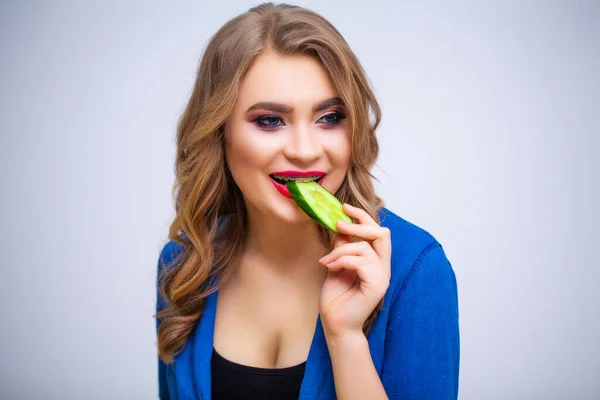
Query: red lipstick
[(299, 173)]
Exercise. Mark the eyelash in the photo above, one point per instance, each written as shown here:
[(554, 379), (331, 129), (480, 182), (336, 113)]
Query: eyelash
[(338, 118)]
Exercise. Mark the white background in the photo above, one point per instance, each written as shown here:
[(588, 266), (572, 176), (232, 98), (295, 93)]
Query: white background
[(490, 141)]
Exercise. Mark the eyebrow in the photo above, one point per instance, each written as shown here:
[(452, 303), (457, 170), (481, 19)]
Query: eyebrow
[(285, 109)]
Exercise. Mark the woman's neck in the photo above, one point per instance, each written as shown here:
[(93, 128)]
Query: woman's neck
[(291, 250)]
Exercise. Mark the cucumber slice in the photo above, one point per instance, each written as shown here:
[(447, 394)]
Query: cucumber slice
[(318, 203)]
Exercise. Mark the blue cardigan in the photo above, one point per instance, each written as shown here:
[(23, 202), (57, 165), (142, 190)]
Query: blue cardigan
[(414, 341)]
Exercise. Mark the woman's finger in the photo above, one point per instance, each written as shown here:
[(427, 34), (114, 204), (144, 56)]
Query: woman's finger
[(340, 239), (366, 271), (362, 231), (359, 214), (377, 235), (351, 249)]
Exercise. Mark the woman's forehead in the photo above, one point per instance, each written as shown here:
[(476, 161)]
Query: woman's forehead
[(297, 80)]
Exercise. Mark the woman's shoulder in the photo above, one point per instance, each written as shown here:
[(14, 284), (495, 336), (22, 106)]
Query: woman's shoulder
[(413, 248), (172, 249), (411, 234), (169, 253)]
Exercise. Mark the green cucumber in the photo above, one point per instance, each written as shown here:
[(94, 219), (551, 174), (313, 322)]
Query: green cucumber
[(318, 203)]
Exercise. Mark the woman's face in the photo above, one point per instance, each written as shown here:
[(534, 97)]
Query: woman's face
[(287, 119)]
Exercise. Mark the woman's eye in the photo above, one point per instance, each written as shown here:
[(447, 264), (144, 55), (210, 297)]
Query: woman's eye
[(269, 121), (332, 119)]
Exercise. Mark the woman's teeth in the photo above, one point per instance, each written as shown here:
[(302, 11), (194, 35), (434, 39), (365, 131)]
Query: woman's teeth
[(284, 179)]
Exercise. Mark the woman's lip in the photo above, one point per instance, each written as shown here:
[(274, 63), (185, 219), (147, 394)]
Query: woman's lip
[(285, 191), (299, 173)]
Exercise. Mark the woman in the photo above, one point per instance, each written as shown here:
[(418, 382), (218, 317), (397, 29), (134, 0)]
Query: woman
[(255, 299)]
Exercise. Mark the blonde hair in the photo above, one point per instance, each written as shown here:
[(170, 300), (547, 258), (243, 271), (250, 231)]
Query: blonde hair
[(210, 220)]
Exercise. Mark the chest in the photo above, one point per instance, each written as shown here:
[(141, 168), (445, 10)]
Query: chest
[(271, 328)]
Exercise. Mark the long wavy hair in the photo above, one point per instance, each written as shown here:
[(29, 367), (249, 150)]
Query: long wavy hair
[(210, 220)]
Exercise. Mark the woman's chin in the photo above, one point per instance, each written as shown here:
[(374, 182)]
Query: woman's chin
[(292, 214)]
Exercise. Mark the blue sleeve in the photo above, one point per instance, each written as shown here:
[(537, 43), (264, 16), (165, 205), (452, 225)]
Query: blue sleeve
[(163, 390), (422, 349)]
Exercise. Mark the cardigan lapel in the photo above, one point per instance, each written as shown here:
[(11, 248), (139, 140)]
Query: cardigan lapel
[(318, 374), (203, 348)]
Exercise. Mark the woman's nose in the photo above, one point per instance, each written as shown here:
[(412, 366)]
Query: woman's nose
[(303, 145)]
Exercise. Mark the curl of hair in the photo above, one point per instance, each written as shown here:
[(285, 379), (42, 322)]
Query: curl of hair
[(210, 220)]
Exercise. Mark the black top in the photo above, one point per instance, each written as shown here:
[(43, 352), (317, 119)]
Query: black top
[(233, 381)]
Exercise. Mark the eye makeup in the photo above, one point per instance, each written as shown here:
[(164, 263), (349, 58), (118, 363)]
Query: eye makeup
[(271, 121)]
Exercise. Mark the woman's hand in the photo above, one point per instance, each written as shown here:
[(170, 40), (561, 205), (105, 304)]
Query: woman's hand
[(359, 274)]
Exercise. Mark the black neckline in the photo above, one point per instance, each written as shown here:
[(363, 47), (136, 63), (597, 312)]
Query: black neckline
[(257, 370)]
